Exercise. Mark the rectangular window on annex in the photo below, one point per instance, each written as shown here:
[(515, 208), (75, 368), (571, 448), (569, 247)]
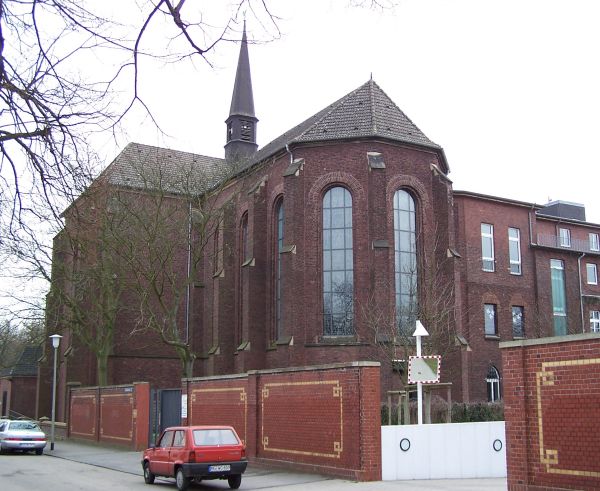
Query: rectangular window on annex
[(514, 250), (594, 242), (564, 237), (487, 247), (518, 321), (559, 297), (489, 314), (594, 320), (592, 274)]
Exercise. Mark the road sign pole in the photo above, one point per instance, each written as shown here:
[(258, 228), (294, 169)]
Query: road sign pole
[(420, 331)]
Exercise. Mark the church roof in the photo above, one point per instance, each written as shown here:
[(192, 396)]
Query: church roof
[(26, 366), (366, 112), (141, 166)]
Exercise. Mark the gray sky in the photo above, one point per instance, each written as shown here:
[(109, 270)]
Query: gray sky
[(508, 88)]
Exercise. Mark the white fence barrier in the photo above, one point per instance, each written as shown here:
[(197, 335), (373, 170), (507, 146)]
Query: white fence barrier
[(443, 451)]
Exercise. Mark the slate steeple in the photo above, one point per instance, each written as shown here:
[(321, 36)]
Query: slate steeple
[(241, 123)]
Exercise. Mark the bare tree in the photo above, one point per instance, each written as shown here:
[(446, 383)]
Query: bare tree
[(13, 338), (170, 219), (50, 108), (86, 283), (429, 298)]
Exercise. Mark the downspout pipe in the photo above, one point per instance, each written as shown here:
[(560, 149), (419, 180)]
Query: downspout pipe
[(189, 274), (287, 149), (580, 291)]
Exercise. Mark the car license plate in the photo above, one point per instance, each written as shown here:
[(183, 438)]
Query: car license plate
[(27, 445), (219, 468)]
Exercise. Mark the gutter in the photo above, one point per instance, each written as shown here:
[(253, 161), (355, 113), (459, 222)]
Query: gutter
[(580, 290)]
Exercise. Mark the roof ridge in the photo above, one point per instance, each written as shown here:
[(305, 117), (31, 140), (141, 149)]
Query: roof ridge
[(372, 97)]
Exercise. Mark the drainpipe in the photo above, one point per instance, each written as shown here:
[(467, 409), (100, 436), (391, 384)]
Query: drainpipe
[(189, 274), (530, 226), (580, 290), (287, 149)]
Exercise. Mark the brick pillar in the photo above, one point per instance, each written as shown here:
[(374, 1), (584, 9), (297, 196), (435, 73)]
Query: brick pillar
[(513, 366), (370, 424), (142, 415), (253, 398)]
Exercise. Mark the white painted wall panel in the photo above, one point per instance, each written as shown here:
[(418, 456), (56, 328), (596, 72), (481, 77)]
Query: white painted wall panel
[(443, 451)]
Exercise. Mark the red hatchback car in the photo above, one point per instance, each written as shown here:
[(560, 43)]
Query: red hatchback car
[(196, 452)]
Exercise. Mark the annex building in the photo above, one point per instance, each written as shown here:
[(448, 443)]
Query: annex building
[(322, 246)]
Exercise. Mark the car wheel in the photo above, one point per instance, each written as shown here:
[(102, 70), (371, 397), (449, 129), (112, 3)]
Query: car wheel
[(148, 475), (181, 480), (234, 481), (39, 451)]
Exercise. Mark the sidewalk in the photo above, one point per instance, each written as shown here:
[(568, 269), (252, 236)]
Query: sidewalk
[(100, 456), (261, 478)]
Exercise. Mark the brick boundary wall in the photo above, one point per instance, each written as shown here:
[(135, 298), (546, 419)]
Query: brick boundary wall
[(552, 411), (323, 419), (116, 415)]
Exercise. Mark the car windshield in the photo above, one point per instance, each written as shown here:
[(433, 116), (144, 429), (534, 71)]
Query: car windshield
[(217, 436), (24, 425)]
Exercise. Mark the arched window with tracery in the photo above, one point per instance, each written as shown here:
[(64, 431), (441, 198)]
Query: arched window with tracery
[(278, 248), (338, 263), (405, 261)]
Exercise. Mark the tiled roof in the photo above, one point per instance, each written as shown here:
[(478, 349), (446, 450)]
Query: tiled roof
[(141, 166), (26, 366), (364, 112)]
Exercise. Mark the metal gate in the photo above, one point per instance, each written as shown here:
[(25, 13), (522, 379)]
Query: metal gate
[(165, 411)]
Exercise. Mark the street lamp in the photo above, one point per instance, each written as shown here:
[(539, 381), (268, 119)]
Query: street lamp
[(55, 342)]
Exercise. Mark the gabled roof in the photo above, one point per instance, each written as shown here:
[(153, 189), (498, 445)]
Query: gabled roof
[(26, 366), (141, 166), (366, 112)]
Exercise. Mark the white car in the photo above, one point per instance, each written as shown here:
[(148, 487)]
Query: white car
[(21, 435)]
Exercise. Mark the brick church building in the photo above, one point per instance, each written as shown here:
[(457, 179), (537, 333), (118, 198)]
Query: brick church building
[(330, 241)]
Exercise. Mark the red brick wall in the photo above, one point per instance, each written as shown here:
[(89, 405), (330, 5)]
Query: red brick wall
[(552, 409), (117, 415), (322, 419)]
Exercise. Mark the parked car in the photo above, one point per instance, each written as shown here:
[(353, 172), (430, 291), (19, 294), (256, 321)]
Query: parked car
[(195, 453), (21, 435)]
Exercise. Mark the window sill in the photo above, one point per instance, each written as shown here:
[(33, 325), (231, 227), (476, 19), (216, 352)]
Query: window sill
[(492, 337), (325, 341)]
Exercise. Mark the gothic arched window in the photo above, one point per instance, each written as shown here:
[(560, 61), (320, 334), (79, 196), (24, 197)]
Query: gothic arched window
[(278, 247), (405, 261), (338, 263)]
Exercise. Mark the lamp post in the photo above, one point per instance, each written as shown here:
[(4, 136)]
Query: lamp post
[(55, 343), (420, 331)]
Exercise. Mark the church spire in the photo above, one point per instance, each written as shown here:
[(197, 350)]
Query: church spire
[(241, 123)]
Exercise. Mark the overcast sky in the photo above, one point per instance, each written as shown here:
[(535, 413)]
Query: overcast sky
[(509, 89)]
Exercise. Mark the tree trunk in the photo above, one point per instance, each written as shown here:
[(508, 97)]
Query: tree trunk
[(102, 369), (188, 365)]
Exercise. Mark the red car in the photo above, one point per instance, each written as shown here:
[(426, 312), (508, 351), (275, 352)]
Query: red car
[(196, 452)]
